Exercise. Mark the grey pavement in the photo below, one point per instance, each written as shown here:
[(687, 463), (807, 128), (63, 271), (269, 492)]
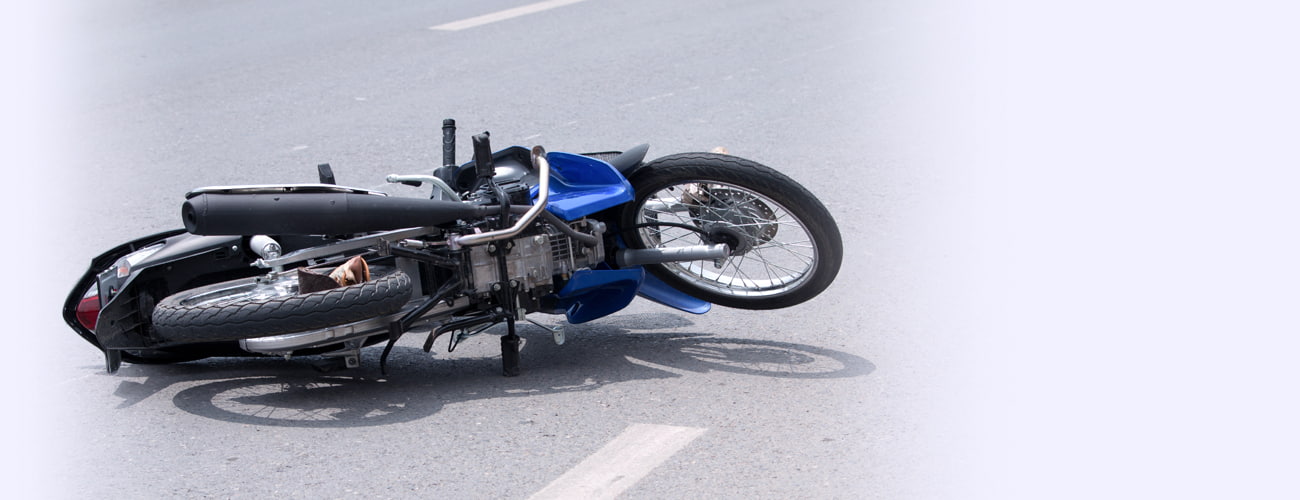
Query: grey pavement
[(1070, 258)]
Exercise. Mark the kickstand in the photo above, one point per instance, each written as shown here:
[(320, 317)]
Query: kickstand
[(394, 332), (510, 350)]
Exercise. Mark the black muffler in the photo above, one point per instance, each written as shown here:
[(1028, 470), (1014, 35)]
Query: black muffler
[(317, 213)]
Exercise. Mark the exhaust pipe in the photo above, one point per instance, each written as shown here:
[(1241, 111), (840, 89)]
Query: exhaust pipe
[(317, 213)]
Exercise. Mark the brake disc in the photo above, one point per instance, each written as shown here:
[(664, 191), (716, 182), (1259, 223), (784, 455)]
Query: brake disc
[(728, 211)]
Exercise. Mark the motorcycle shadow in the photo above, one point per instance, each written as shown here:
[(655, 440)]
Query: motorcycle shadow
[(273, 392)]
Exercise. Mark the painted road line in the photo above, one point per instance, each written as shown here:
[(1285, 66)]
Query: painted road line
[(621, 462), (502, 15)]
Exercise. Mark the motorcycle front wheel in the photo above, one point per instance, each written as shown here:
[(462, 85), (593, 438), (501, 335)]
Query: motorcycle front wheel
[(785, 247), (262, 306)]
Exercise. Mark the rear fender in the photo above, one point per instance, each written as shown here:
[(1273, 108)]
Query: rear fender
[(90, 278), (184, 261)]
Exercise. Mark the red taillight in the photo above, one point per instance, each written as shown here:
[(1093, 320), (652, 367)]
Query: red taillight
[(88, 310)]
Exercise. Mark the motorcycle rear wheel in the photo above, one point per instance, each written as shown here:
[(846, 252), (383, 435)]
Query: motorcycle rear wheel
[(255, 307), (785, 246)]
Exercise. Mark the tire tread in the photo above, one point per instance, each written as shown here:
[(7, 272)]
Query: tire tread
[(294, 313), (797, 199)]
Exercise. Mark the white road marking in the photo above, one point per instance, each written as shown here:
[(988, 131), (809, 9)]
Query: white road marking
[(656, 366), (76, 379), (502, 15), (621, 462)]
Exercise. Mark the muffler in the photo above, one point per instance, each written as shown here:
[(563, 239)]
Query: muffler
[(317, 213)]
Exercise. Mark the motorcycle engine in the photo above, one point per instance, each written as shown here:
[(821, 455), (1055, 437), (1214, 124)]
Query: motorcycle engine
[(536, 260)]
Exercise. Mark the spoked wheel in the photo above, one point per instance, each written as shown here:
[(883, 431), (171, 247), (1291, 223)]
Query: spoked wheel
[(262, 306), (785, 248)]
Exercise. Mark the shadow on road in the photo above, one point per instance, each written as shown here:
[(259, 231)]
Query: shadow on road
[(269, 391)]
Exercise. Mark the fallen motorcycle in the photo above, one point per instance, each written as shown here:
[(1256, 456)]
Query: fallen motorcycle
[(322, 269)]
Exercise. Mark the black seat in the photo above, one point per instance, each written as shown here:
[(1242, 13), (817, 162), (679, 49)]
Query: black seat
[(626, 162)]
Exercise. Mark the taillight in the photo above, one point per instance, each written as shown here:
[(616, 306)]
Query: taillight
[(88, 309)]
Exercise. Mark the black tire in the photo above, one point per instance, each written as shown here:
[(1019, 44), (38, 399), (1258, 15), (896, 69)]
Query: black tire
[(752, 208), (219, 313)]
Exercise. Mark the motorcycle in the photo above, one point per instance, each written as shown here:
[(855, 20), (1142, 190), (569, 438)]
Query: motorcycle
[(322, 269)]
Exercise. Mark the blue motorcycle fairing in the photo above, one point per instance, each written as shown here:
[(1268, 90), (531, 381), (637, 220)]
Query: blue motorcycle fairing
[(655, 289), (592, 294), (581, 186), (596, 293)]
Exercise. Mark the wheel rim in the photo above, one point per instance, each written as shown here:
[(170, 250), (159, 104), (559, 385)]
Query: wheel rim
[(257, 290), (773, 250)]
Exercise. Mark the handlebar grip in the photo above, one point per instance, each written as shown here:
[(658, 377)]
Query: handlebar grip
[(483, 164), (449, 143), (325, 173)]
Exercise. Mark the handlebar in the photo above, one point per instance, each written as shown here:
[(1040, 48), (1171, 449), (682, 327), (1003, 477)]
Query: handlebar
[(543, 191), (416, 180)]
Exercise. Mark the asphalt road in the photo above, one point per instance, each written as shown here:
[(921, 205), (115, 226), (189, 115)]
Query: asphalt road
[(824, 400), (1070, 258)]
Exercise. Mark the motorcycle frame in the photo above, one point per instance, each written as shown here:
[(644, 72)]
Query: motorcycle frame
[(186, 261)]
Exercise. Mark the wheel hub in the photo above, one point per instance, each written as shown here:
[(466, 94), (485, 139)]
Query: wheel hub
[(738, 241), (732, 217)]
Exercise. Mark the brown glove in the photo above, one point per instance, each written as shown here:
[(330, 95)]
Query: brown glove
[(354, 271)]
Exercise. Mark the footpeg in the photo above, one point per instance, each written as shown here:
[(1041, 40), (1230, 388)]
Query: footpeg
[(349, 354), (557, 332)]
